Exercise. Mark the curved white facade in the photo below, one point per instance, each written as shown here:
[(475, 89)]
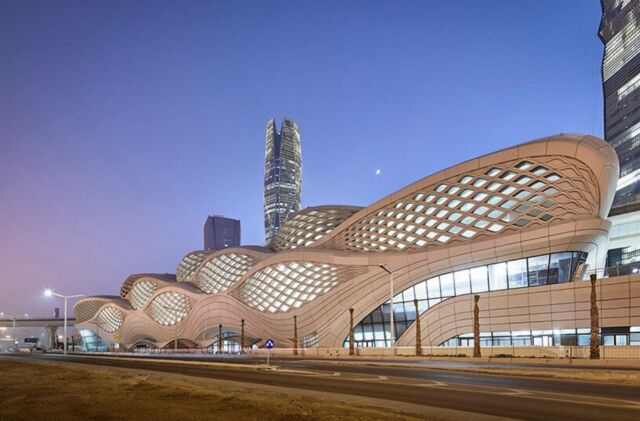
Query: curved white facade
[(542, 204)]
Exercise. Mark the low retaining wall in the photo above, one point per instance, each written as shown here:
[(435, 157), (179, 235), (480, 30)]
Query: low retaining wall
[(577, 352)]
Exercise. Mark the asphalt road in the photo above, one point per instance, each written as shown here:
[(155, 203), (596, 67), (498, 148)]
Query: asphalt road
[(507, 396)]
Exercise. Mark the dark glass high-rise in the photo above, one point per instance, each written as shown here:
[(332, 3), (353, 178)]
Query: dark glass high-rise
[(221, 233), (282, 175), (620, 33)]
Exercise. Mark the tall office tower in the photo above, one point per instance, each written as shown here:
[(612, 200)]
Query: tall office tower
[(282, 175), (620, 33), (221, 233)]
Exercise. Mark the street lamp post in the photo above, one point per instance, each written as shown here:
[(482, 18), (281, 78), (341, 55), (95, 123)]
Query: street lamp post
[(13, 335), (50, 293), (393, 336), (13, 330)]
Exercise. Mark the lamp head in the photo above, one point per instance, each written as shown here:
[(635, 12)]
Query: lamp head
[(48, 292), (386, 269)]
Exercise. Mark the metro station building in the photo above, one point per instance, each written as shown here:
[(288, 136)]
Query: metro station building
[(521, 227)]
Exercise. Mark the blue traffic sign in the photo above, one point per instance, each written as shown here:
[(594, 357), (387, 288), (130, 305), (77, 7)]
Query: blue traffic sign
[(269, 344)]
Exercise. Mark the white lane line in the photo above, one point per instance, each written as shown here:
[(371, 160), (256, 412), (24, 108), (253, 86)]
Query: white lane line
[(435, 383), (560, 397), (291, 371), (539, 395), (334, 374), (516, 392), (378, 378)]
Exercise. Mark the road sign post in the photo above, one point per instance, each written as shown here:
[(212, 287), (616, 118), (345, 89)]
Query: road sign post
[(116, 345), (269, 344)]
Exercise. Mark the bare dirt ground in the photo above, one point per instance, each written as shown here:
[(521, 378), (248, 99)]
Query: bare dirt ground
[(48, 391)]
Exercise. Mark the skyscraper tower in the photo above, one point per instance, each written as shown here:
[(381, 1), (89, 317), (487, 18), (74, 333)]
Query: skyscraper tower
[(620, 33), (282, 175), (221, 233)]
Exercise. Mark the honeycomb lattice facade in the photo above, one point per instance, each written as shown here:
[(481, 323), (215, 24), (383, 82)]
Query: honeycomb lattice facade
[(189, 264), (288, 285), (523, 218), (310, 225), (155, 278), (141, 292), (220, 272), (169, 308), (87, 309), (515, 195), (110, 319)]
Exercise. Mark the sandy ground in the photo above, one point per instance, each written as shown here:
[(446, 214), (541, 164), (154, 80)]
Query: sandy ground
[(49, 391)]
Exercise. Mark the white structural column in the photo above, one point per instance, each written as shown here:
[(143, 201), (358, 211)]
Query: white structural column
[(175, 312), (391, 321)]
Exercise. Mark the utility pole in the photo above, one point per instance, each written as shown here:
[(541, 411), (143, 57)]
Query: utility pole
[(295, 335), (352, 350), (418, 334), (476, 327), (13, 335), (242, 336), (594, 352)]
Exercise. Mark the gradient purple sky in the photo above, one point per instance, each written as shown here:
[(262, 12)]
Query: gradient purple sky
[(124, 124)]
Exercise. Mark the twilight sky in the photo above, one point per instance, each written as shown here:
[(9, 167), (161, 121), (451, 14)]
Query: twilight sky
[(124, 124)]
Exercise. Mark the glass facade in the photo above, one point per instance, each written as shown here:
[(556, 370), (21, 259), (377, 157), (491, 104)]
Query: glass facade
[(374, 329), (620, 33), (282, 175), (91, 342), (221, 233), (557, 337), (228, 346)]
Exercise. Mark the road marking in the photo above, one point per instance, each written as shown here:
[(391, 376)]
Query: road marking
[(516, 392), (435, 383), (379, 378), (292, 371)]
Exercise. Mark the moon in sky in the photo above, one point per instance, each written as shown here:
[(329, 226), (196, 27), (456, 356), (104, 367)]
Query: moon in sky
[(378, 171)]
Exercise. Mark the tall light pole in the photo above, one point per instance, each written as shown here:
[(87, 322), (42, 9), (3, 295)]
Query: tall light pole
[(393, 336), (13, 335), (13, 329), (50, 293)]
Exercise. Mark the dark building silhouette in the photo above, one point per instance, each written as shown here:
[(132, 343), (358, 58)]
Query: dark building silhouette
[(221, 233)]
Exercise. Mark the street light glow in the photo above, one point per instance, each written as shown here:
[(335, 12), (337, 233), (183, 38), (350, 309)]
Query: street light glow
[(48, 292)]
